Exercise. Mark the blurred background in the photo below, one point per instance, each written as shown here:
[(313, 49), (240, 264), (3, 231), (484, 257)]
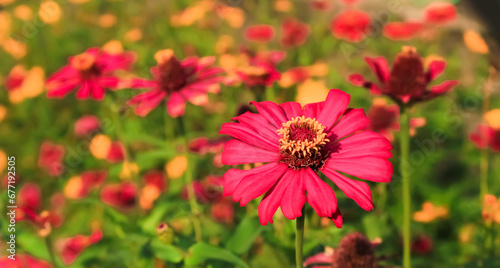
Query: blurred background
[(98, 186)]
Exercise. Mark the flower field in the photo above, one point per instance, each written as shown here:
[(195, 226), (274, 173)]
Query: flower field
[(249, 133)]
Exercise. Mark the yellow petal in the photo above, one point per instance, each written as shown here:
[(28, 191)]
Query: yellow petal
[(176, 167), (100, 146), (311, 91)]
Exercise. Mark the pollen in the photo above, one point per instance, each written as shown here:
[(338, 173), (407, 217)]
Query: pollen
[(302, 143)]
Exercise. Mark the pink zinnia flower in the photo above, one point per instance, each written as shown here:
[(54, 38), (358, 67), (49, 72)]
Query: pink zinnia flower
[(74, 246), (402, 30), (50, 158), (439, 13), (91, 73), (30, 197), (486, 137), (408, 81), (261, 69), (87, 125), (260, 33), (23, 261), (352, 25), (176, 82), (294, 33), (298, 143), (119, 195)]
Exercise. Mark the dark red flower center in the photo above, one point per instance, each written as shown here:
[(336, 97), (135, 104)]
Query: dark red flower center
[(407, 75), (170, 73), (302, 143)]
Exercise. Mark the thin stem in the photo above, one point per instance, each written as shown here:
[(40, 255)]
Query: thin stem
[(483, 184), (48, 244), (190, 186), (405, 177), (299, 239)]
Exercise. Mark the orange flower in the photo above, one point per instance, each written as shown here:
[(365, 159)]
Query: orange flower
[(22, 84), (311, 91), (129, 170), (133, 35), (283, 5), (235, 17), (430, 213), (113, 47), (475, 42), (23, 12), (3, 161), (50, 12), (107, 20), (16, 49), (491, 209), (5, 25), (100, 146), (176, 167)]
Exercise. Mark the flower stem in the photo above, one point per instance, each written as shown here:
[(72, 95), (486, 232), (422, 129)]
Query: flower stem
[(195, 211), (483, 184), (299, 239), (404, 140), (48, 244)]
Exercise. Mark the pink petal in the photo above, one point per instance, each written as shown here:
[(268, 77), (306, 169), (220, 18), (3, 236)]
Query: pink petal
[(353, 120), (84, 91), (272, 200), (380, 67), (335, 105), (312, 110), (366, 143), (272, 112), (367, 167), (321, 258), (237, 152), (319, 194), (357, 80), (248, 135), (97, 91), (255, 185), (153, 99), (444, 87), (294, 197), (435, 69), (356, 190), (176, 104), (233, 177), (260, 125), (143, 83), (337, 218), (291, 109)]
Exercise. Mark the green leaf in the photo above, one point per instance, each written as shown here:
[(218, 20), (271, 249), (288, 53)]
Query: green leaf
[(166, 252), (245, 234), (33, 244), (201, 252)]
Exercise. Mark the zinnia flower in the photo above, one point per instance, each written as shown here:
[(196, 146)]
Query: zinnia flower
[(23, 261), (402, 30), (87, 125), (297, 143), (488, 135), (72, 247), (50, 158), (440, 13), (176, 82), (90, 72), (352, 25), (119, 195), (260, 33), (294, 33), (407, 82)]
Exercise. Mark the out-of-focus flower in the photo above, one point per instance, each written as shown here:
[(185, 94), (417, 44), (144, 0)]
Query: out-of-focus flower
[(223, 211), (488, 135), (116, 152), (79, 187), (155, 183), (176, 82), (90, 72), (283, 5), (113, 47), (204, 145), (206, 191), (5, 26), (120, 195), (235, 17), (491, 209), (260, 75), (296, 143), (129, 170), (30, 197), (22, 83), (23, 261), (3, 161), (311, 91), (321, 5), (466, 233), (50, 158), (294, 76), (407, 82), (430, 213), (422, 245), (133, 35), (260, 33), (3, 113), (15, 48), (176, 167), (440, 13), (50, 12), (100, 146), (192, 14), (493, 118), (107, 20), (475, 42), (354, 251), (87, 125), (224, 43), (293, 33), (6, 2), (72, 247), (349, 2), (78, 1), (23, 12), (402, 30), (165, 233), (352, 25)]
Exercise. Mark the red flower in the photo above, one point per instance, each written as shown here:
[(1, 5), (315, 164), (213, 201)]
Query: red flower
[(261, 68), (349, 2), (402, 30), (260, 33), (298, 143), (294, 33), (176, 82), (223, 211), (74, 246), (321, 5), (30, 197), (23, 261), (90, 72), (206, 191), (407, 82), (87, 125), (421, 245), (486, 136), (440, 13), (119, 195), (204, 145), (352, 25), (116, 153), (50, 158)]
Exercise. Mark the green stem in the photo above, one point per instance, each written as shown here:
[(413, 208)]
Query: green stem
[(190, 186), (299, 239), (270, 94), (48, 244), (405, 177), (483, 183)]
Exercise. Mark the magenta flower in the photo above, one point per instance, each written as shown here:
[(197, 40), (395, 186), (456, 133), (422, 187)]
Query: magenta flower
[(297, 143), (176, 82), (90, 72), (408, 81)]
